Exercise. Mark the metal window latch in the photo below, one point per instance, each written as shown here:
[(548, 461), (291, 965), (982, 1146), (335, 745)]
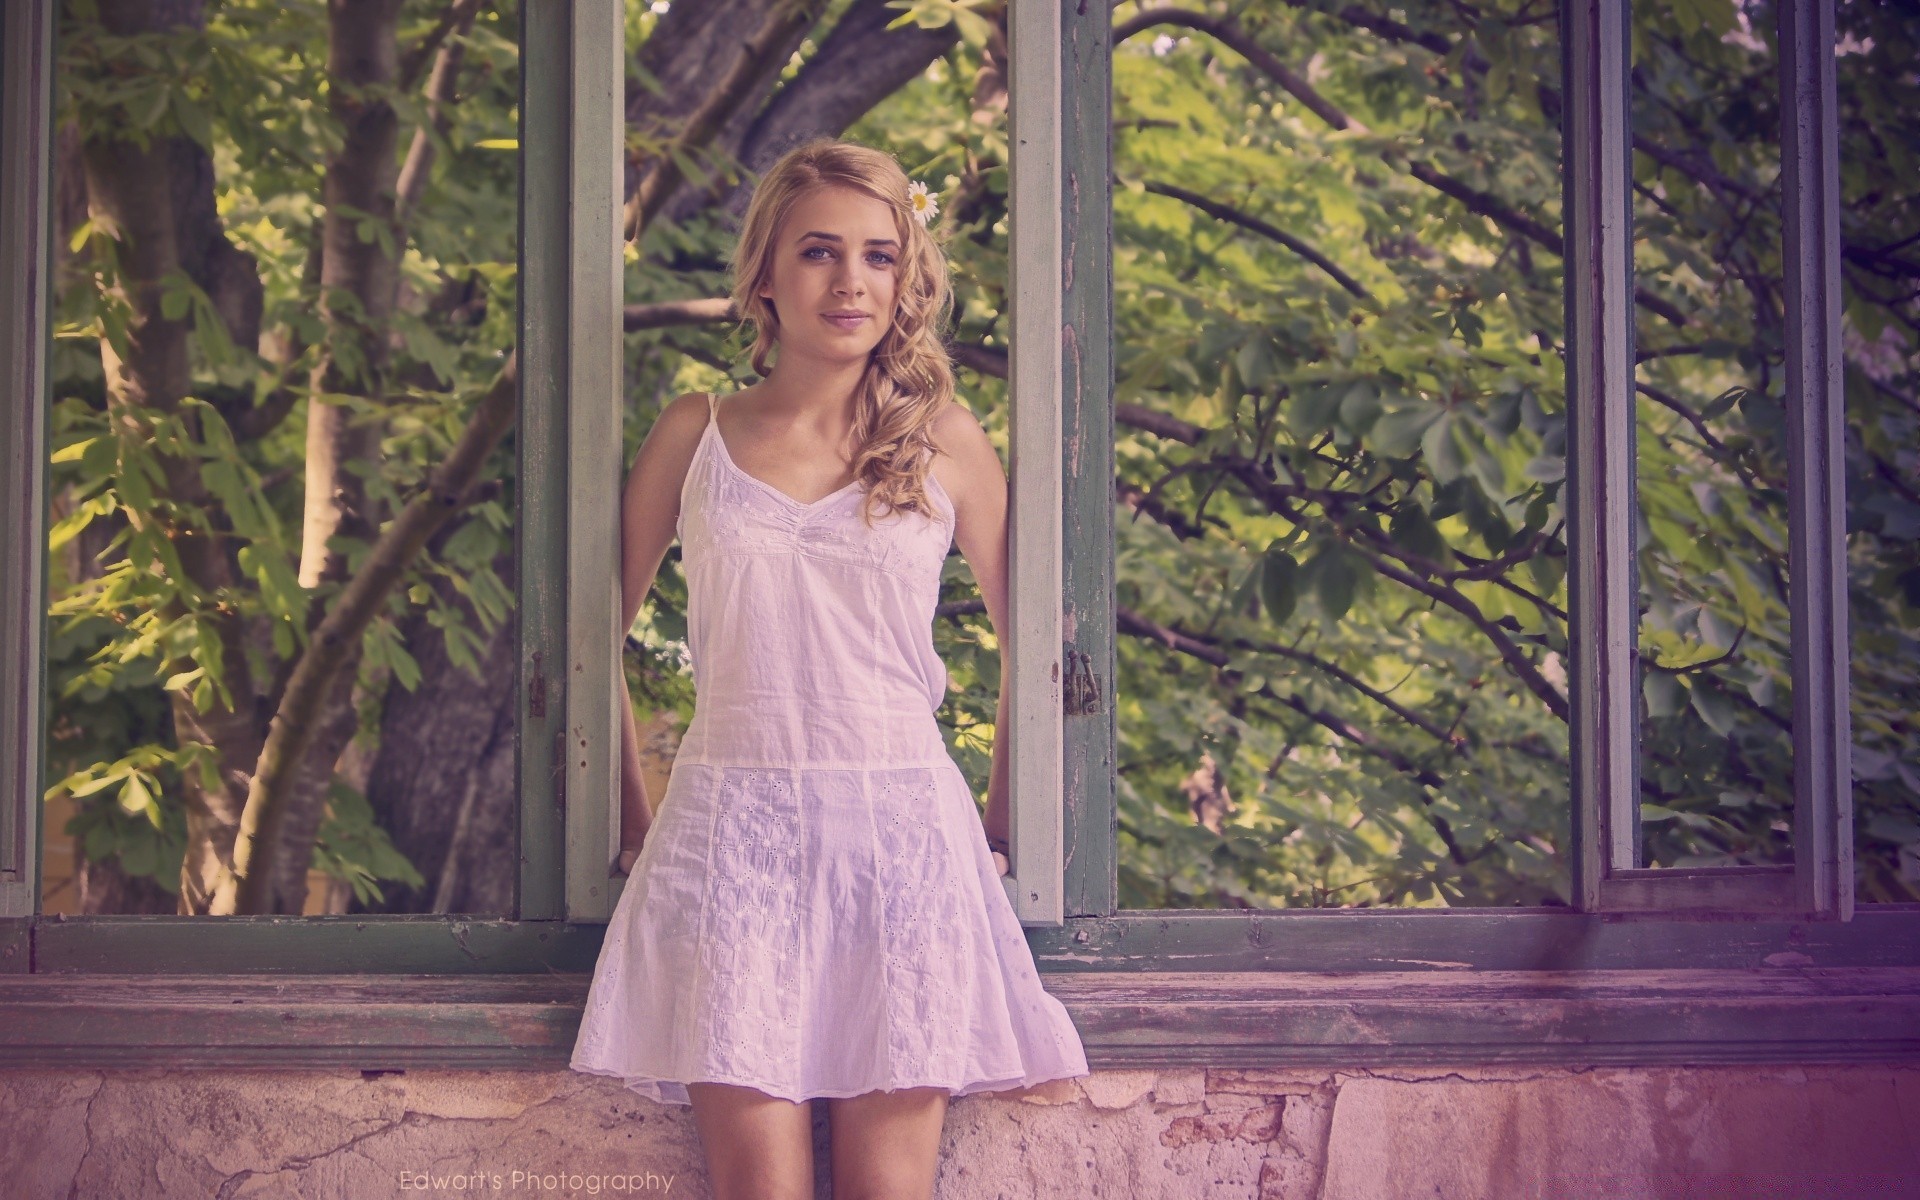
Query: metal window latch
[(1080, 691)]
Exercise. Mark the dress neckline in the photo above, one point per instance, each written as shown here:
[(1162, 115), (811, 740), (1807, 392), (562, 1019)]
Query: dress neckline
[(713, 424), (726, 456)]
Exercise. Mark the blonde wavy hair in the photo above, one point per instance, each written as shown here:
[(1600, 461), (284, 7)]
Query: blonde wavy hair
[(908, 381)]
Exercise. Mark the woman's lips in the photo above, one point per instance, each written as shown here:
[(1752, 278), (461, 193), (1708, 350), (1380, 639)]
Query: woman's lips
[(846, 322)]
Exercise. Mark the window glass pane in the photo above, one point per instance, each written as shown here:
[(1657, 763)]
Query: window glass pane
[(936, 99), (1716, 767), (286, 237), (1340, 412), (1879, 99)]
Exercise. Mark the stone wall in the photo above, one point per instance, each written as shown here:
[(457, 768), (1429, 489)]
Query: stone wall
[(1731, 1131)]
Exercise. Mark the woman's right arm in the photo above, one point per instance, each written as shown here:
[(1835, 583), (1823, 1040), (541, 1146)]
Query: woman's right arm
[(649, 510)]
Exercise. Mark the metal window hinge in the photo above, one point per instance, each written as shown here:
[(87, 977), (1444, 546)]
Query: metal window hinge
[(1080, 691), (537, 689)]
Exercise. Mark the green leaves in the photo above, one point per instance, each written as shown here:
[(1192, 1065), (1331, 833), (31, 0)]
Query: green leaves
[(1279, 583), (933, 14), (1255, 363), (381, 646), (1663, 692), (1441, 451), (1548, 569), (1359, 408), (181, 296), (1348, 407), (1413, 530), (138, 779), (1312, 409), (1399, 433), (1335, 576), (1715, 17), (1716, 708), (353, 847), (1468, 324)]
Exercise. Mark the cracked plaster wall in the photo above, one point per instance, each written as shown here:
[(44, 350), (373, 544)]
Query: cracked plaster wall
[(1731, 1131)]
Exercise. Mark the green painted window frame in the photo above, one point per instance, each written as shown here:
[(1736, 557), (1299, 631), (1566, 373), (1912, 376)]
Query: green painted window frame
[(26, 49), (1136, 976), (1812, 894), (564, 324)]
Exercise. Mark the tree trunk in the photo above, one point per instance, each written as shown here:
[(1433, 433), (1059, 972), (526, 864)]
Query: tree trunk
[(362, 54), (860, 63), (442, 782), (447, 750), (152, 198), (363, 58), (104, 888)]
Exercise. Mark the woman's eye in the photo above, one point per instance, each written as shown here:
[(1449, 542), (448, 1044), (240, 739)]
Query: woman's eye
[(882, 257)]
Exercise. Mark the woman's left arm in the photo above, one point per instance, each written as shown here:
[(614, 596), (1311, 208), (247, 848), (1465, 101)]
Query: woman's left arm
[(977, 483)]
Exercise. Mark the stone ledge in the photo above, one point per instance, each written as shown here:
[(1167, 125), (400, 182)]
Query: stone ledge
[(1126, 1019)]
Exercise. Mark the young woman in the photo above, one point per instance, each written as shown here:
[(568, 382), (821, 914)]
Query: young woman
[(816, 910)]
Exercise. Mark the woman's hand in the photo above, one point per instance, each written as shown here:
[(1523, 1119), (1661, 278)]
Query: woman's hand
[(627, 859), (1001, 854)]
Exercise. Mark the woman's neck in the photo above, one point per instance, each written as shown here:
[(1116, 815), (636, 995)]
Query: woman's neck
[(821, 386)]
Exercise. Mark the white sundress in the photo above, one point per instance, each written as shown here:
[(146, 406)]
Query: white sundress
[(815, 911)]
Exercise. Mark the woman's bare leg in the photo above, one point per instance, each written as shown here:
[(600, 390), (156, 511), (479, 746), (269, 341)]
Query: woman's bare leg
[(758, 1147), (886, 1145)]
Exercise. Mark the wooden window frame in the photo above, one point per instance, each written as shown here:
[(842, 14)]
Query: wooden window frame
[(1038, 183), (26, 122), (1604, 685), (1601, 475), (1726, 978), (569, 348)]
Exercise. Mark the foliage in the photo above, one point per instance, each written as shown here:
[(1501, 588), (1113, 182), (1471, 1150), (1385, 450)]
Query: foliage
[(1371, 497), (1341, 553), (250, 89), (353, 847)]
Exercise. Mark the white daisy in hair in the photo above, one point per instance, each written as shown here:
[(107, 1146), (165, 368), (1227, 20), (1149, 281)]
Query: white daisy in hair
[(925, 204)]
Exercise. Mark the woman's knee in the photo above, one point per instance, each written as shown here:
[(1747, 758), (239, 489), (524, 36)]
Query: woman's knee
[(758, 1147)]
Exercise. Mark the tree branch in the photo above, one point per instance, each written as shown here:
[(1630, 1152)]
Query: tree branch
[(677, 312), (440, 90), (1139, 626), (857, 64), (1146, 502), (246, 889), (1253, 224), (986, 360), (1132, 622), (762, 56), (1673, 404), (1158, 423), (1228, 32), (1510, 652), (461, 13)]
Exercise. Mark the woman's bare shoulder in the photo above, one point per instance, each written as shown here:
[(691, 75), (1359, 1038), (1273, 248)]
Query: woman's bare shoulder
[(685, 415), (676, 431), (958, 435), (967, 464)]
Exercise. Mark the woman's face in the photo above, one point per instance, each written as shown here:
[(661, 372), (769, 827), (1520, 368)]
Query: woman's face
[(836, 262)]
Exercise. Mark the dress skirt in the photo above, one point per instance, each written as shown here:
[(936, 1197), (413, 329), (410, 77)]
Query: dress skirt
[(813, 932)]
